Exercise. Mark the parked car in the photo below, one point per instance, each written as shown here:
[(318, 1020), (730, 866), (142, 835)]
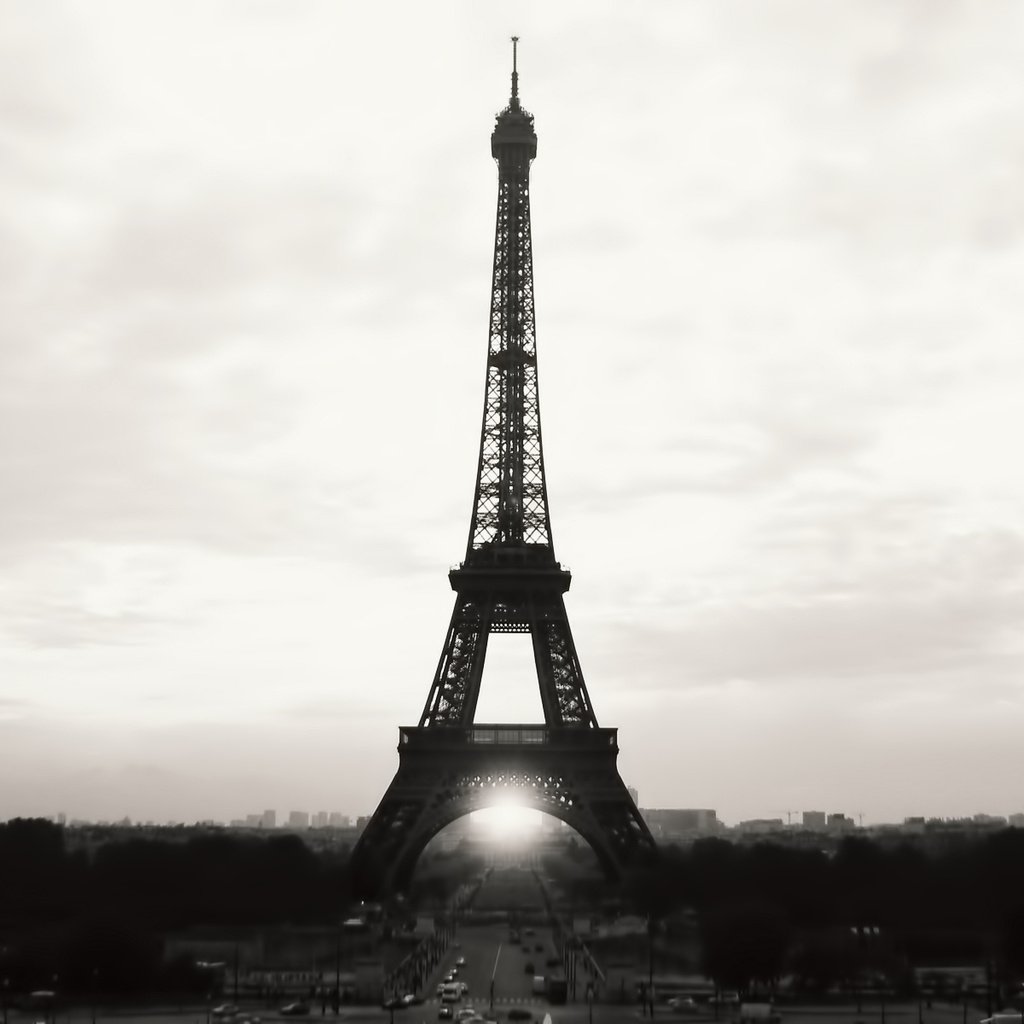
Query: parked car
[(465, 1013), (725, 999), (297, 1009), (444, 1012), (394, 1003), (224, 1010), (682, 1004), (759, 1013), (461, 962)]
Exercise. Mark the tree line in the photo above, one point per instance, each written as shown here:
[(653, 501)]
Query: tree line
[(82, 920), (865, 913), (863, 909)]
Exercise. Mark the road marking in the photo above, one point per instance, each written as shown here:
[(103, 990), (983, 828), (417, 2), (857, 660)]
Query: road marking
[(497, 956)]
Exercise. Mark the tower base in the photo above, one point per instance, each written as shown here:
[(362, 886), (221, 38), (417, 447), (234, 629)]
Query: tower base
[(445, 773)]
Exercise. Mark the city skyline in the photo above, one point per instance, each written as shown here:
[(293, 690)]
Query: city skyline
[(700, 820), (247, 253)]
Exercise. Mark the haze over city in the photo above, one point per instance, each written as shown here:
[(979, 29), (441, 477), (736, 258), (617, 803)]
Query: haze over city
[(246, 254)]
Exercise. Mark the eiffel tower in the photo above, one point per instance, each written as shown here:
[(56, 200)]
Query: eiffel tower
[(509, 582)]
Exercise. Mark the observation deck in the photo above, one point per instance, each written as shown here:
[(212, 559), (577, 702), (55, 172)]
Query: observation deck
[(489, 738)]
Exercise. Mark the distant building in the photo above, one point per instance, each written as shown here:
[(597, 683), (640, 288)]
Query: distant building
[(761, 825), (268, 819), (988, 819), (298, 819), (1016, 820), (838, 823), (62, 819), (338, 820), (813, 820), (680, 823), (320, 819)]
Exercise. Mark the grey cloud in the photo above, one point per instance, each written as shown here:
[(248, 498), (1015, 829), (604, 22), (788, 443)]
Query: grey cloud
[(952, 611), (62, 624)]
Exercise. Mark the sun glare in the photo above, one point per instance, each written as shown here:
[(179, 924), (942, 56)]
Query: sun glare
[(507, 820)]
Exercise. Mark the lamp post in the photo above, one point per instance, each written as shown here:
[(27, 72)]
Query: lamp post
[(337, 968), (650, 962)]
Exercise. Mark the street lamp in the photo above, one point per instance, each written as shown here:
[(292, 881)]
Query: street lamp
[(650, 962)]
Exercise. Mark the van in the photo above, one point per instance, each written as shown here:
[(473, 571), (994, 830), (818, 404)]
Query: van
[(451, 992), (759, 1013)]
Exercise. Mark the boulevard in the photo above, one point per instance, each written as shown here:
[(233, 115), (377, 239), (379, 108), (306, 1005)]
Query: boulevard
[(571, 1013)]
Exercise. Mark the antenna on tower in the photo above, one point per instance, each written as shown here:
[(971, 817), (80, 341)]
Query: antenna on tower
[(515, 73)]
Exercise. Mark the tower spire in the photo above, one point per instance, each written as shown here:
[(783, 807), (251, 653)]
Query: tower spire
[(515, 74)]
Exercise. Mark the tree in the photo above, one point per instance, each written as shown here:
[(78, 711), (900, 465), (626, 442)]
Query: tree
[(744, 945)]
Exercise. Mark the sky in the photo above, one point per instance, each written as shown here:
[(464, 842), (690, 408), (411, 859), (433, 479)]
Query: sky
[(245, 255)]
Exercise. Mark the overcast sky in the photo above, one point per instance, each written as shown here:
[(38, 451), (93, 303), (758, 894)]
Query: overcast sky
[(245, 254)]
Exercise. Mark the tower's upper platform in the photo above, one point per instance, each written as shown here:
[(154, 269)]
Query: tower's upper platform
[(514, 126)]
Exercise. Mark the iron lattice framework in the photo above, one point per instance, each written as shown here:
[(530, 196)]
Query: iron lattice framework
[(509, 582)]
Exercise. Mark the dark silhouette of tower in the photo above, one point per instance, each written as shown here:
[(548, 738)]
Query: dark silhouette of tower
[(509, 582)]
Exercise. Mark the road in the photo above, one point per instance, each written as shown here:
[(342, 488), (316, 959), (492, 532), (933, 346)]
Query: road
[(572, 1013), (493, 960)]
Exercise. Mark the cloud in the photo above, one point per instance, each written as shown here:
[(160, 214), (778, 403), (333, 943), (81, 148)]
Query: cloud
[(853, 623)]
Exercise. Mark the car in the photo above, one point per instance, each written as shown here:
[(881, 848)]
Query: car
[(411, 999), (444, 1013), (465, 1013), (519, 1013), (552, 961), (682, 1004), (247, 1018), (394, 1003), (528, 967), (440, 990), (297, 1009), (461, 962), (224, 1010), (463, 988)]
